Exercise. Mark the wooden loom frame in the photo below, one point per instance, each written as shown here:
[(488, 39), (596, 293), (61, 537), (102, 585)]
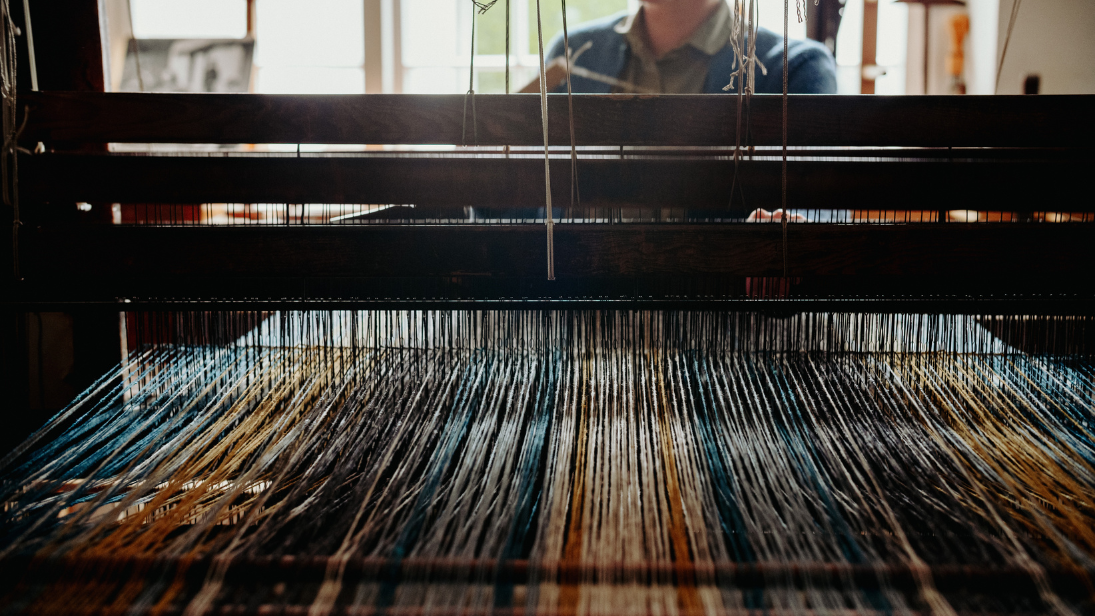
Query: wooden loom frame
[(1014, 153)]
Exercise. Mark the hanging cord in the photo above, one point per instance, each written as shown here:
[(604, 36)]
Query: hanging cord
[(740, 59), (783, 169), (575, 198), (506, 148), (507, 48), (1007, 39), (471, 88), (9, 162), (751, 87), (480, 8), (30, 46), (745, 48), (547, 160)]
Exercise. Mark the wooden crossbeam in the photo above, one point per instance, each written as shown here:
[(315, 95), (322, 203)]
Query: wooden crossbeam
[(953, 251), (972, 269), (695, 184), (667, 120)]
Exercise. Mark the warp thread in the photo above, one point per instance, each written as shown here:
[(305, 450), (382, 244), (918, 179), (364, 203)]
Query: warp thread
[(625, 461)]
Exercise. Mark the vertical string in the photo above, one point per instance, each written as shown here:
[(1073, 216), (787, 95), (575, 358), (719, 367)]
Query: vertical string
[(136, 49), (574, 196), (783, 168), (471, 89), (507, 46), (1004, 51), (618, 442), (547, 160), (741, 94), (9, 156), (30, 46), (506, 148)]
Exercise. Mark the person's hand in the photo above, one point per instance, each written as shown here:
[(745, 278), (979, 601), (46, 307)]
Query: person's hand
[(771, 287), (759, 215)]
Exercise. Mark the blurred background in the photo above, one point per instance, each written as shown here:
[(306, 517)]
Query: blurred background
[(424, 46)]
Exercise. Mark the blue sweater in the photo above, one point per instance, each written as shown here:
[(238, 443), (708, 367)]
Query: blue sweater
[(811, 66)]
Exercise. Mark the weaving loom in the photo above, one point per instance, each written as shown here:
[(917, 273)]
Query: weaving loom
[(349, 386)]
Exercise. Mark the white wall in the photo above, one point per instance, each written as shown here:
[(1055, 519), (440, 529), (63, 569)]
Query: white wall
[(1054, 38), (981, 47)]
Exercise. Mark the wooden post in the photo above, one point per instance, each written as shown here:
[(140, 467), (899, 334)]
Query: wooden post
[(870, 45), (68, 56), (374, 57)]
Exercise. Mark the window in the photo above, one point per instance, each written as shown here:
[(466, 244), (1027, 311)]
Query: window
[(436, 41), (192, 46), (176, 19), (893, 20), (300, 47), (319, 46), (890, 52), (315, 47)]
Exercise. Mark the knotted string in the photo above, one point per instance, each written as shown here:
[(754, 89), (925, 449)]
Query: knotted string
[(741, 93), (746, 63)]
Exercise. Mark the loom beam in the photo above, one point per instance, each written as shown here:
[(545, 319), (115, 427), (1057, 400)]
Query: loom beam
[(667, 120), (451, 184), (370, 263), (1020, 156)]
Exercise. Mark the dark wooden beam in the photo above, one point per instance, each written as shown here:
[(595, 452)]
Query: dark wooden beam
[(696, 184), (670, 120), (969, 269), (952, 251), (1061, 305)]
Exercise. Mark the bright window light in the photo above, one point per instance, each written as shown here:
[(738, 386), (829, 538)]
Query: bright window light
[(315, 47), (314, 33), (849, 38), (435, 80), (890, 50), (179, 19), (309, 80), (770, 15), (893, 32), (436, 32)]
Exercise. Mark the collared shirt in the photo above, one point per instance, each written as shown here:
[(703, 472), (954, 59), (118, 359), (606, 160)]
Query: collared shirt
[(680, 71)]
